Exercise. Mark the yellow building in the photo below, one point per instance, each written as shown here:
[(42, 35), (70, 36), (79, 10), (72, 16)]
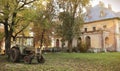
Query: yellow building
[(102, 34), (101, 30)]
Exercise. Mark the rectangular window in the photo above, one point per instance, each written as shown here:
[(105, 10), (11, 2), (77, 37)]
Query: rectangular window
[(104, 26), (85, 29), (94, 28)]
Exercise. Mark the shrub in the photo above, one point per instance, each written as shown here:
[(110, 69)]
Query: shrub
[(82, 47), (75, 49)]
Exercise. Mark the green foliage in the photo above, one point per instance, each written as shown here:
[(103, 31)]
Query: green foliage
[(17, 13), (66, 26)]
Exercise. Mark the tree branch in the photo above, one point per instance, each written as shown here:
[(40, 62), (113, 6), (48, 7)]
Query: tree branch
[(21, 30), (25, 3), (17, 21)]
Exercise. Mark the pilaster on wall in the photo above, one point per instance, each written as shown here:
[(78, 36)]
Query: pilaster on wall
[(74, 42), (117, 35), (117, 43)]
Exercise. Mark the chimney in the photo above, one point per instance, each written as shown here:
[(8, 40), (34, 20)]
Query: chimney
[(101, 4), (109, 7)]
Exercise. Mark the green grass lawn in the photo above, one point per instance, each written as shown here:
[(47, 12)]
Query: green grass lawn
[(68, 62)]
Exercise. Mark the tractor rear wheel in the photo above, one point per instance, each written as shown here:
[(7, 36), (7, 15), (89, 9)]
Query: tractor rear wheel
[(40, 59), (14, 55)]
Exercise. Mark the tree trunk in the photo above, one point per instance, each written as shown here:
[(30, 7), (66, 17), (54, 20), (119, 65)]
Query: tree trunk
[(42, 37), (7, 44), (8, 35), (70, 45)]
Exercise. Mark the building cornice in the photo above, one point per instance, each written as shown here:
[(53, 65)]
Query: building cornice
[(102, 20)]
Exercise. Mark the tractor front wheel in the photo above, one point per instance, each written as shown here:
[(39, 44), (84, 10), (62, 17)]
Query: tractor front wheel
[(27, 59)]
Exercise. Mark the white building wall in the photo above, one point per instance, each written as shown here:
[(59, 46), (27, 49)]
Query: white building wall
[(74, 42), (53, 42), (66, 44)]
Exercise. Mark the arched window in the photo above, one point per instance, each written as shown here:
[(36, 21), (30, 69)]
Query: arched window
[(88, 42), (57, 42), (106, 41)]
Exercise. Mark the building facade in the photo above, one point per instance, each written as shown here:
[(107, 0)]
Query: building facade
[(101, 30)]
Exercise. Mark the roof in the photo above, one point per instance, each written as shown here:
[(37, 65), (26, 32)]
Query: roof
[(100, 12)]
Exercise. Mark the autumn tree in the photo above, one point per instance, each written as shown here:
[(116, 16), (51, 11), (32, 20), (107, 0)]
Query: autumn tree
[(43, 22), (71, 17), (13, 14)]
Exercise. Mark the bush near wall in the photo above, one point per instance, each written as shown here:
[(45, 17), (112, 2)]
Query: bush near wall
[(82, 47)]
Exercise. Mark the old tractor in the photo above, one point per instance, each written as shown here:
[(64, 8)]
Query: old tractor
[(24, 49)]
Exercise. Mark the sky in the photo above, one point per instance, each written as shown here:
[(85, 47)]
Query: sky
[(114, 3)]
